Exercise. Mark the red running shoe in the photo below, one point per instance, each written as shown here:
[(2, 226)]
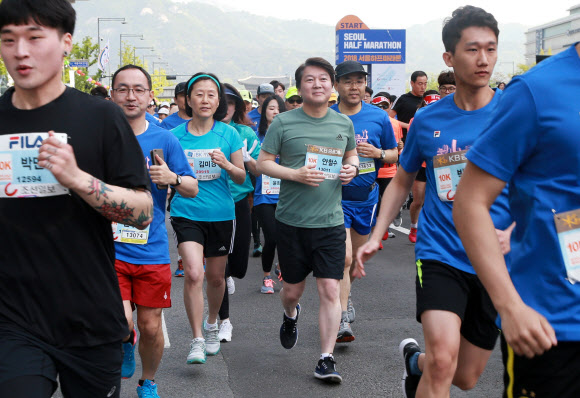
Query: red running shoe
[(413, 235)]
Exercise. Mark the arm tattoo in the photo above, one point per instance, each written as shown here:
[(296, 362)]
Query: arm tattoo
[(98, 187), (118, 212)]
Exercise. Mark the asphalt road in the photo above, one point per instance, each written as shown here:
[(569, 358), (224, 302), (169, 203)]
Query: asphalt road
[(254, 364)]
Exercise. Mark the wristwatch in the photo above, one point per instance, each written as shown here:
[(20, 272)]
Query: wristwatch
[(356, 167), (382, 154), (178, 182)]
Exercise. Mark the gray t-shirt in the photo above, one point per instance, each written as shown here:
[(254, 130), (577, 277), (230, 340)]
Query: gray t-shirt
[(297, 137)]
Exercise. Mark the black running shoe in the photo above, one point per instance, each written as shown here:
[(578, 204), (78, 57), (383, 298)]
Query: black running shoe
[(289, 331), (326, 370), (408, 348)]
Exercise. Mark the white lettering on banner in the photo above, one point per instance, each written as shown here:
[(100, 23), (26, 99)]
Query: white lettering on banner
[(383, 45)]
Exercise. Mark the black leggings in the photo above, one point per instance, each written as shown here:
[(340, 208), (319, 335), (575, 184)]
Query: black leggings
[(383, 183), (266, 216), (237, 264)]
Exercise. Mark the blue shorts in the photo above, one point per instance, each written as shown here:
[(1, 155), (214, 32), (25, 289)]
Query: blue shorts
[(362, 219)]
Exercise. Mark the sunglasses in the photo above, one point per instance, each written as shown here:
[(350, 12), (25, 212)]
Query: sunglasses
[(294, 101)]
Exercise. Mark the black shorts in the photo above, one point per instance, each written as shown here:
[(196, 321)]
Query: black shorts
[(421, 175), (442, 287), (552, 374), (82, 372), (305, 250), (216, 237)]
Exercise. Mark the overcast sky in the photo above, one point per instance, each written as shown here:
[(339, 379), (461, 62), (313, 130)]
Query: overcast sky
[(396, 14)]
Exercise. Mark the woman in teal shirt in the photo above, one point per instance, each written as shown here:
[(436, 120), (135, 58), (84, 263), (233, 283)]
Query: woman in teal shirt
[(204, 225)]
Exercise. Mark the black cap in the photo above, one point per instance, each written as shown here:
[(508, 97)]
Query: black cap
[(181, 88), (348, 67)]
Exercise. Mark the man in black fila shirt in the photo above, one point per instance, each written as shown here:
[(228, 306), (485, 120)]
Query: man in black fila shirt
[(406, 105), (74, 166)]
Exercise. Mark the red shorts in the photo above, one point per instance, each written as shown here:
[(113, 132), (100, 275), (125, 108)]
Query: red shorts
[(144, 284)]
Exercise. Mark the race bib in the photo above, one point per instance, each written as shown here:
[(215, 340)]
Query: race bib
[(568, 228), (448, 169), (270, 186), (202, 165), (20, 174), (366, 165), (128, 234), (327, 160)]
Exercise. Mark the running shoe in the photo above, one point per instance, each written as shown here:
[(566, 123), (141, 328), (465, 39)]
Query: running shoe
[(257, 250), (128, 367), (225, 333), (278, 272), (289, 331), (179, 272), (407, 349), (345, 334), (196, 351), (212, 340), (350, 310), (381, 246), (388, 235), (267, 285), (147, 390), (326, 370), (231, 285), (413, 235), (398, 221)]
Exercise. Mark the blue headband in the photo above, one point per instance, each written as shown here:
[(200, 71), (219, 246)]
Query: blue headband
[(199, 76)]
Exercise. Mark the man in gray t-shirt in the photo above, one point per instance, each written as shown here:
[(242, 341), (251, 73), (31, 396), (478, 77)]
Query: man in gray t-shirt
[(317, 150)]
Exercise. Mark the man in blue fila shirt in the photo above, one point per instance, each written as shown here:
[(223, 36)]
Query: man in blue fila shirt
[(142, 257), (456, 313), (536, 124), (376, 144)]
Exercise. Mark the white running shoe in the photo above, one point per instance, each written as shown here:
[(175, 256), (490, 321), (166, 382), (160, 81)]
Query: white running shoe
[(231, 285), (196, 351), (212, 341), (225, 333)]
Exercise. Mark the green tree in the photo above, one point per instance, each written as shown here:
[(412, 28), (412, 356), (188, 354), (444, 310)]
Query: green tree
[(159, 81), (128, 56), (88, 50), (523, 68)]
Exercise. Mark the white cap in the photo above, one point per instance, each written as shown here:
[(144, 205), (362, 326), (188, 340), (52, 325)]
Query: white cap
[(163, 111), (164, 104)]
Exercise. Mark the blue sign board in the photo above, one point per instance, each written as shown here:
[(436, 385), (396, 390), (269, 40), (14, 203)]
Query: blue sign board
[(79, 63), (371, 46)]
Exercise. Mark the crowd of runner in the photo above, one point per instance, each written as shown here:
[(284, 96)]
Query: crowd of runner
[(323, 169)]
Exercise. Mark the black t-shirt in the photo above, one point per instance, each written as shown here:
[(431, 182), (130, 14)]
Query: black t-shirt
[(57, 275), (406, 106)]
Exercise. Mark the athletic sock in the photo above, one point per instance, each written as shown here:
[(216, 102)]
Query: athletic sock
[(414, 225), (290, 317), (143, 381), (325, 354), (210, 326), (414, 364)]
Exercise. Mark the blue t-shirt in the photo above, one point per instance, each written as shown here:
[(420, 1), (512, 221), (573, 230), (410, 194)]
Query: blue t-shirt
[(533, 144), (156, 251), (214, 202), (443, 128), (239, 192), (255, 117), (152, 119), (372, 125), (172, 121), (265, 198)]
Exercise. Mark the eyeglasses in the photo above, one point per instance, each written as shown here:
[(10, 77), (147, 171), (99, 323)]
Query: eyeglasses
[(357, 83), (294, 101), (447, 89), (138, 91)]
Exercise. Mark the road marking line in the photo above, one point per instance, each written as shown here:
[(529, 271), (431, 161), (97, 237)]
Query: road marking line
[(400, 229), (164, 327)]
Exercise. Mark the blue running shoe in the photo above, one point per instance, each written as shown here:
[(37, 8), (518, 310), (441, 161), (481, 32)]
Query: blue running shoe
[(128, 367), (326, 370), (147, 390)]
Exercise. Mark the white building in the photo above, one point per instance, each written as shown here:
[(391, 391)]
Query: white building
[(553, 37)]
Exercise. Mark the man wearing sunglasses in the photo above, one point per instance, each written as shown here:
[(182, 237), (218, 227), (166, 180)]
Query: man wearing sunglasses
[(293, 100)]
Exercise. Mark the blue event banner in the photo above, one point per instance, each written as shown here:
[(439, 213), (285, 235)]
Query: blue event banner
[(371, 46)]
